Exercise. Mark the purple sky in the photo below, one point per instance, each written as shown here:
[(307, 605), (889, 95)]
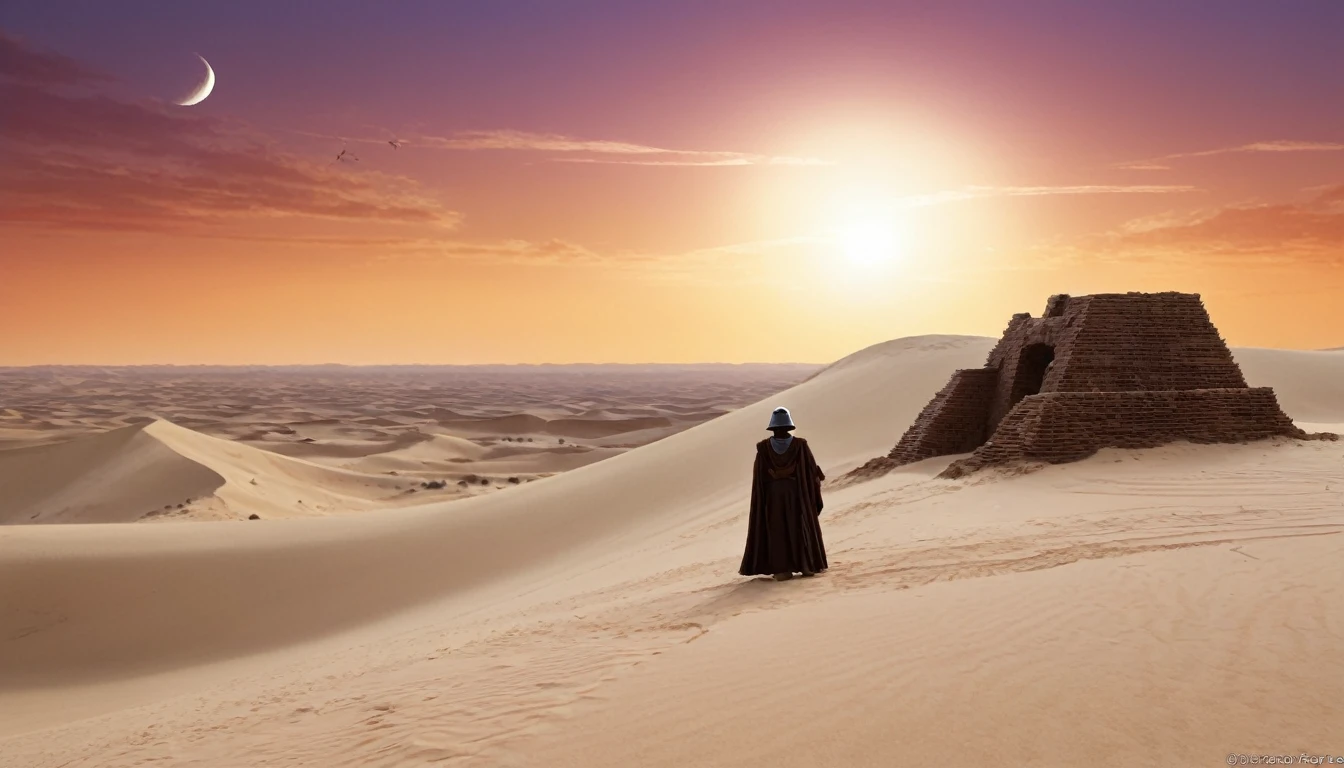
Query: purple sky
[(1191, 144)]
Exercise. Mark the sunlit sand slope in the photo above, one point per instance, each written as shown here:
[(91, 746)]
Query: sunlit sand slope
[(163, 596)]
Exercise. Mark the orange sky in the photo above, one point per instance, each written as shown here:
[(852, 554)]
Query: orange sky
[(794, 197)]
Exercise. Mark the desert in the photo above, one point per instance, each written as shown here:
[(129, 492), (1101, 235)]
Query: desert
[(629, 384), (594, 617), (202, 443)]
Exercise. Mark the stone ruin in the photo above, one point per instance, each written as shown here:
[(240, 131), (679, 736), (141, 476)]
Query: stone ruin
[(1121, 370)]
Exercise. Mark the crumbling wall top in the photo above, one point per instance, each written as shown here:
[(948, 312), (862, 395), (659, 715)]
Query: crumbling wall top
[(1056, 306)]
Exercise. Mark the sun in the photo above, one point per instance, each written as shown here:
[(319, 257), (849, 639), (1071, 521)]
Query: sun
[(870, 240)]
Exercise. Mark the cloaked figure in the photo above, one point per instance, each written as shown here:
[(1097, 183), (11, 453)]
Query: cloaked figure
[(783, 532)]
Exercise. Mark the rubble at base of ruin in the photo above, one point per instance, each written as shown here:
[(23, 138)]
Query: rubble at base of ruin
[(1122, 370)]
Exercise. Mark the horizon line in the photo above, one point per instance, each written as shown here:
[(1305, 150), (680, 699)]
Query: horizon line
[(405, 365), (590, 364)]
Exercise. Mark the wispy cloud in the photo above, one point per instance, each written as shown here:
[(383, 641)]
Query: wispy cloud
[(753, 247), (1279, 146), (91, 162), (563, 252), (1144, 165), (697, 264), (21, 63), (980, 192), (568, 149), (1305, 233), (546, 142), (1274, 146), (737, 160), (532, 252), (424, 248), (1314, 228)]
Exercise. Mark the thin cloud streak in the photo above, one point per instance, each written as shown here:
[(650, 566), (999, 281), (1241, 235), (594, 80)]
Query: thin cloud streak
[(1293, 234), (617, 152), (1277, 146), (732, 161), (977, 193), (729, 161), (549, 142), (607, 152), (557, 251)]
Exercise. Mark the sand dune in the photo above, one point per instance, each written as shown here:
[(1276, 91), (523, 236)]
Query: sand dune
[(162, 471), (1169, 606), (370, 420), (528, 424), (591, 428), (513, 424), (337, 448), (386, 562), (122, 475), (452, 457), (438, 448), (541, 463), (1310, 385)]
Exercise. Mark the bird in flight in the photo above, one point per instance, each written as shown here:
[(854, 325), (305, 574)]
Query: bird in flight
[(342, 156), (395, 144)]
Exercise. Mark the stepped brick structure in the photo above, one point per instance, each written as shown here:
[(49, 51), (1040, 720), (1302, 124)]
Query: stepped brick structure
[(1132, 370)]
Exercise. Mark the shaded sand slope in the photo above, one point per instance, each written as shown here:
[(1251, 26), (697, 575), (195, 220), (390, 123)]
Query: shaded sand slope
[(272, 485), (164, 596), (160, 470), (117, 476)]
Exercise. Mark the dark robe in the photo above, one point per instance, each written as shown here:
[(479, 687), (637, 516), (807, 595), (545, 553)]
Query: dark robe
[(783, 532)]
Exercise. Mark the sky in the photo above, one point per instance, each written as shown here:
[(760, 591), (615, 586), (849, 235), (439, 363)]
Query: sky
[(653, 182)]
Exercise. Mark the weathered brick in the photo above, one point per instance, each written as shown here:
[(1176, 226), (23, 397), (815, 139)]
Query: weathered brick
[(1132, 370), (953, 422)]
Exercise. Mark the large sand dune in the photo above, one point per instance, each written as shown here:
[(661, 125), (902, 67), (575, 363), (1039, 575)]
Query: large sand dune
[(1169, 606), (161, 471), (125, 474)]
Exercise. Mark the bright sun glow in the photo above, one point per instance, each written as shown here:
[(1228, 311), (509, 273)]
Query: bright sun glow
[(870, 240)]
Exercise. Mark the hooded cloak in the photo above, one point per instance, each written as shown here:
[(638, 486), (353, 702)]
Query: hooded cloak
[(783, 532)]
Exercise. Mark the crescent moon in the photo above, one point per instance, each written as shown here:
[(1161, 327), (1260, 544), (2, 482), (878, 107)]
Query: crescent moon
[(206, 86)]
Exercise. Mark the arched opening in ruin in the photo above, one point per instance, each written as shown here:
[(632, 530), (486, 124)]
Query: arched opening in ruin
[(1031, 367)]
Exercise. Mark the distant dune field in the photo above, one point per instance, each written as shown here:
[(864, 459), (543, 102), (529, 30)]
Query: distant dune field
[(166, 444)]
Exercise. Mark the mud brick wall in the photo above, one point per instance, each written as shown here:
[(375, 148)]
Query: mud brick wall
[(1146, 342), (1116, 342), (1067, 426), (1141, 369), (1058, 329), (953, 422)]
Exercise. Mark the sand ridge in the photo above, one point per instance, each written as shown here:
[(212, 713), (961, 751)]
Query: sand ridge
[(1176, 603)]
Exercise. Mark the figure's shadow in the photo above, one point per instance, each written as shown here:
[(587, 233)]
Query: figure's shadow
[(729, 600)]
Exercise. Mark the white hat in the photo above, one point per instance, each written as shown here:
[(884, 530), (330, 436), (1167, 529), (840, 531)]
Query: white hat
[(780, 419)]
